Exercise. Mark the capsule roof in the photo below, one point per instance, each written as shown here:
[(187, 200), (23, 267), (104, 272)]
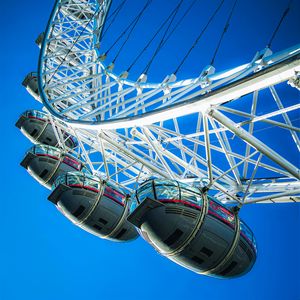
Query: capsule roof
[(85, 179), (55, 152), (35, 113), (173, 188), (30, 76)]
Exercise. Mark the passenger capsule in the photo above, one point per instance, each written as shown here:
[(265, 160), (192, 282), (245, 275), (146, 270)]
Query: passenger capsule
[(96, 206), (31, 84), (36, 126), (39, 40), (46, 163), (193, 230)]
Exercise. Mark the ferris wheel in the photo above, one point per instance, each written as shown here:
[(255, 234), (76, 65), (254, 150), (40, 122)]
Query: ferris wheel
[(219, 133)]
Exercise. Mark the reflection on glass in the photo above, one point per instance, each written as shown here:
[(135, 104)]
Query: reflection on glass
[(59, 180), (220, 212), (92, 183), (188, 195), (80, 179), (114, 194), (72, 162), (247, 234), (168, 190), (68, 159), (188, 187), (144, 191), (115, 187), (45, 149), (35, 114)]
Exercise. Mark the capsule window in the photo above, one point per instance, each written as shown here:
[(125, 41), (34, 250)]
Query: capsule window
[(229, 268), (121, 233), (198, 260), (166, 192), (44, 173), (78, 211), (103, 221), (206, 251), (34, 131), (188, 195), (99, 228), (72, 162), (174, 237)]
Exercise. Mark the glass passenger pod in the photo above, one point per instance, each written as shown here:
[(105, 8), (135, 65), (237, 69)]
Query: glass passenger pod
[(165, 204), (39, 40), (96, 206), (31, 84), (45, 163), (170, 191), (36, 126), (171, 217)]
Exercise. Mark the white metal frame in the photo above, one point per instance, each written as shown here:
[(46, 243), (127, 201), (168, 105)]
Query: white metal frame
[(195, 130)]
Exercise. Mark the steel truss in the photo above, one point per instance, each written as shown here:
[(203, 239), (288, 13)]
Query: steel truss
[(223, 131)]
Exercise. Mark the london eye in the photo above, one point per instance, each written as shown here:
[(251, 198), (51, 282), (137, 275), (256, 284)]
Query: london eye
[(173, 161)]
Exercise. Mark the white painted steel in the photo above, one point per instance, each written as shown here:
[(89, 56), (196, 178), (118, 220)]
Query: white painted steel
[(128, 131)]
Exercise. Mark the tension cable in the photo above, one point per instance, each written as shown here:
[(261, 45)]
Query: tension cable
[(199, 37), (161, 43), (279, 24), (151, 40), (223, 33), (115, 13), (132, 23), (131, 30)]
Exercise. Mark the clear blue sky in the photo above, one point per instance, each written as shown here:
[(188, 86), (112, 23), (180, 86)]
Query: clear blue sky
[(43, 256)]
